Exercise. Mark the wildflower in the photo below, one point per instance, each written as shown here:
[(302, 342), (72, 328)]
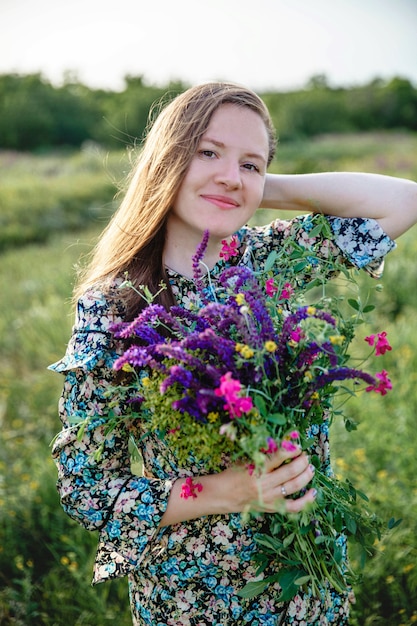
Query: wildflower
[(384, 384), (288, 446), (229, 249), (381, 343), (270, 287), (296, 336), (287, 292), (247, 352), (311, 310), (272, 446), (251, 468), (336, 340), (189, 488), (408, 568), (270, 346), (240, 299), (229, 430), (229, 388), (212, 416)]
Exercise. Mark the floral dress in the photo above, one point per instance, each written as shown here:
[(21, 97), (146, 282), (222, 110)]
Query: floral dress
[(187, 574)]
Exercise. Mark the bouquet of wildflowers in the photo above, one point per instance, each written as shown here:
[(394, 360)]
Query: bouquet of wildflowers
[(254, 369)]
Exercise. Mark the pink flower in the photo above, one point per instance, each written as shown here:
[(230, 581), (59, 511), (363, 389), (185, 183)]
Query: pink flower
[(229, 249), (251, 468), (382, 343), (189, 488), (289, 446), (229, 388), (296, 335), (272, 446), (287, 292), (384, 384), (270, 287), (294, 434)]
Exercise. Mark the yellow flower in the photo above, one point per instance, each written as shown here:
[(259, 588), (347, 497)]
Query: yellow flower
[(311, 310), (212, 416), (315, 396), (247, 352), (146, 381), (382, 474), (360, 454), (127, 367), (341, 463), (336, 340), (238, 347), (389, 580), (270, 346), (240, 299), (408, 568), (308, 375)]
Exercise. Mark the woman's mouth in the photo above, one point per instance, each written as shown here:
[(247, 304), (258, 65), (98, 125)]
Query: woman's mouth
[(223, 202)]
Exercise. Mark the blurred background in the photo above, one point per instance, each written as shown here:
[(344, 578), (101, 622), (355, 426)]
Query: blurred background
[(77, 82)]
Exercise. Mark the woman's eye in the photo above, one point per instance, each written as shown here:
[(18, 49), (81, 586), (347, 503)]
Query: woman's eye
[(207, 153), (251, 167)]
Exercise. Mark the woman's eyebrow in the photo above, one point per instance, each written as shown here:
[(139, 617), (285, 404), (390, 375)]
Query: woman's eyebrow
[(220, 144)]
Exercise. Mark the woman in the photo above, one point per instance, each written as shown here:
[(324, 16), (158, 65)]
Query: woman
[(202, 167)]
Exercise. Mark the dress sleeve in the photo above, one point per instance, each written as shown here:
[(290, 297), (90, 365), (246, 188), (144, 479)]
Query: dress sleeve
[(358, 242), (102, 493), (362, 242)]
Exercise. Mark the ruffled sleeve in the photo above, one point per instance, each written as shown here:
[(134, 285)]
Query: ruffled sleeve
[(357, 242), (100, 491), (363, 242)]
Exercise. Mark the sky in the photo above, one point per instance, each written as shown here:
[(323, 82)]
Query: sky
[(263, 44)]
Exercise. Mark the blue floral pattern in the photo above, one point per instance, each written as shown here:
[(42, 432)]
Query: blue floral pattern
[(188, 574)]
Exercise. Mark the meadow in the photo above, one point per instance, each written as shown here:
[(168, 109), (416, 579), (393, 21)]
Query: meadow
[(52, 206)]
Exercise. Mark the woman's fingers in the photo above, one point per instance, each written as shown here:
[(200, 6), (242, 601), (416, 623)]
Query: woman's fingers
[(295, 506), (291, 477), (281, 456)]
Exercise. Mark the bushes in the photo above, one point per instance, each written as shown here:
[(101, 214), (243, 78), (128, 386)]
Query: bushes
[(35, 114)]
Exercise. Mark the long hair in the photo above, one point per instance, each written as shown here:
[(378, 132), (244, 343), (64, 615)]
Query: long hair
[(133, 241)]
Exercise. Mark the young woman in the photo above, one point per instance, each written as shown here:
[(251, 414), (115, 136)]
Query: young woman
[(203, 167)]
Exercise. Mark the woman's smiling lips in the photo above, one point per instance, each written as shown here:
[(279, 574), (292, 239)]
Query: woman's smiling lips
[(223, 202)]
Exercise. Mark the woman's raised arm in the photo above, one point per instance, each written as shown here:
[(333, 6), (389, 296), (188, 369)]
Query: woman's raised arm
[(389, 200)]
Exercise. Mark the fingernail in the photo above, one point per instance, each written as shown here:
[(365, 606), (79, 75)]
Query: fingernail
[(314, 493), (312, 468)]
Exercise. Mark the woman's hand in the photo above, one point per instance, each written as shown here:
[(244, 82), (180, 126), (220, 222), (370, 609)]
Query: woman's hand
[(286, 473), (235, 490)]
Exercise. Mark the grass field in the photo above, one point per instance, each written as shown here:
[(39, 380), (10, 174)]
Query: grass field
[(45, 558)]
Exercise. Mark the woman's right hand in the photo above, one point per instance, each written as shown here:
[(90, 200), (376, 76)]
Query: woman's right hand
[(236, 490), (286, 473)]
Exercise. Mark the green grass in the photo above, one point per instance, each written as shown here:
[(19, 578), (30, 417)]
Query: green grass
[(45, 558)]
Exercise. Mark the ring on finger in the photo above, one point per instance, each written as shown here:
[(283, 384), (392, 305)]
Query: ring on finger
[(283, 491)]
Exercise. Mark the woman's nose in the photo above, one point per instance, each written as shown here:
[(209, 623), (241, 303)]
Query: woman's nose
[(229, 174)]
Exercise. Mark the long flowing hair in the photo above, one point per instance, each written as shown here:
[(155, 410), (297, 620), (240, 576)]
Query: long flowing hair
[(132, 243)]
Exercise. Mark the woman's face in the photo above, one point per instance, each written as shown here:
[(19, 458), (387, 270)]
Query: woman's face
[(224, 183)]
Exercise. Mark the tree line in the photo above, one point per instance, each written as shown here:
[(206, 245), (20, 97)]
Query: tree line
[(35, 114)]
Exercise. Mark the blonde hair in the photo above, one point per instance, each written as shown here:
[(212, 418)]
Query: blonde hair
[(133, 241)]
